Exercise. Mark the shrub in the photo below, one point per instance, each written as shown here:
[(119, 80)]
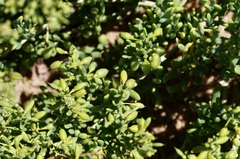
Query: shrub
[(87, 115), (93, 108)]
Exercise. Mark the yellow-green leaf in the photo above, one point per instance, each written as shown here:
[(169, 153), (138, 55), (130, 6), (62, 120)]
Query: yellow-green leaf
[(63, 135)]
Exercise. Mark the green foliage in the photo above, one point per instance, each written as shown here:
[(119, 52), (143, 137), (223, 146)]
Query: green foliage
[(217, 129), (87, 115), (169, 44), (93, 109), (195, 35)]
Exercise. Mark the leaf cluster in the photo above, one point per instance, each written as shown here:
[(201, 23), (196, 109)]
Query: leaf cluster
[(93, 111)]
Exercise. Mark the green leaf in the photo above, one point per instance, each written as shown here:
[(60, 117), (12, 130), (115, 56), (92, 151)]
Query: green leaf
[(158, 144), (180, 153), (132, 116), (155, 62), (53, 85), (63, 135), (146, 67), (157, 32), (147, 123), (63, 85), (83, 115), (181, 46), (126, 35), (103, 39), (101, 73), (134, 65), (137, 105), (237, 69), (39, 114), (61, 51), (110, 118), (15, 76), (78, 150), (28, 106), (136, 155), (83, 135), (123, 76), (86, 60), (134, 128), (135, 95), (4, 103), (216, 93), (92, 67), (125, 95), (56, 64), (141, 123), (131, 83), (199, 149), (221, 140), (202, 155)]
